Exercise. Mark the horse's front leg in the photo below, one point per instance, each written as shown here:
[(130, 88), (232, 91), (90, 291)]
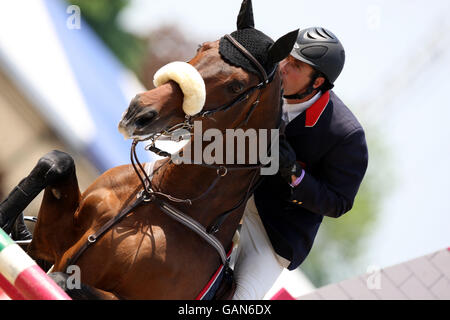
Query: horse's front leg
[(51, 168), (55, 170)]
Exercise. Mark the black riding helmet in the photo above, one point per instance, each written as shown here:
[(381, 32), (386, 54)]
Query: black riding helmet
[(322, 50)]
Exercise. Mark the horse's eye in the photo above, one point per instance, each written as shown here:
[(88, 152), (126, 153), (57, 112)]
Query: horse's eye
[(236, 87)]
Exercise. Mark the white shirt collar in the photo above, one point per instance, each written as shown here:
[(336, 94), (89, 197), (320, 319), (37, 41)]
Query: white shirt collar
[(291, 111)]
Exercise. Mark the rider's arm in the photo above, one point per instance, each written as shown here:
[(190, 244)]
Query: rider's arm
[(332, 194)]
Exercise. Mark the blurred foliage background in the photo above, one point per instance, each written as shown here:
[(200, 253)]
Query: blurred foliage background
[(142, 55), (102, 15), (340, 242)]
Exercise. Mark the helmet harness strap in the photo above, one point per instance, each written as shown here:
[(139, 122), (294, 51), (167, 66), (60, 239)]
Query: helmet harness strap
[(308, 90)]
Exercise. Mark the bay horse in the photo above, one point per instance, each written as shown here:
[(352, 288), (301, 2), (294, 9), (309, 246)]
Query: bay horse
[(147, 254)]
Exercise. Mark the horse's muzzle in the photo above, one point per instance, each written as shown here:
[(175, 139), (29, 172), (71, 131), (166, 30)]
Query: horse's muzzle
[(136, 119)]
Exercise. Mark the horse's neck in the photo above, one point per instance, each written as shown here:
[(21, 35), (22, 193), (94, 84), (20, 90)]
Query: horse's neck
[(188, 181)]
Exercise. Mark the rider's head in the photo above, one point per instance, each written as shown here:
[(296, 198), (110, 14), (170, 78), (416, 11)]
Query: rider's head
[(314, 64)]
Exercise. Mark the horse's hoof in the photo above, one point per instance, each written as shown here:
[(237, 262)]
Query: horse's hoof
[(54, 166)]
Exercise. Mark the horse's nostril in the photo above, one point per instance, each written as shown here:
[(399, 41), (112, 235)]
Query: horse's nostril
[(145, 119)]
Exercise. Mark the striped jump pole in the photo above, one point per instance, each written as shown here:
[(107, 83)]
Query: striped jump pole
[(3, 295), (21, 278), (9, 290)]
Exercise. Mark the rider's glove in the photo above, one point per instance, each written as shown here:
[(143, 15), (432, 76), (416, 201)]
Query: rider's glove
[(288, 165)]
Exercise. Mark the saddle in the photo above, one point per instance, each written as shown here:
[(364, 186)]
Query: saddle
[(226, 288), (222, 285)]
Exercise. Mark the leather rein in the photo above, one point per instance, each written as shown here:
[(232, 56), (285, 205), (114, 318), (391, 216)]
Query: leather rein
[(147, 194)]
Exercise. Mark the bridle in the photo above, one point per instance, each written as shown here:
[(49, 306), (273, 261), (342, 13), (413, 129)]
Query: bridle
[(187, 124), (148, 194)]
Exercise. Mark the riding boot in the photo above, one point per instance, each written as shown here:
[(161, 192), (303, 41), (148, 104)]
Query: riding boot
[(20, 230), (48, 170)]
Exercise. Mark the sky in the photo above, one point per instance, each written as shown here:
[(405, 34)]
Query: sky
[(395, 77)]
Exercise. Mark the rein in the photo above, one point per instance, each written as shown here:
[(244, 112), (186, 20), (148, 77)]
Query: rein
[(147, 194)]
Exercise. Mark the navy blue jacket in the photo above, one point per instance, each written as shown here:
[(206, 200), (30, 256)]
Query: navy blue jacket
[(330, 145)]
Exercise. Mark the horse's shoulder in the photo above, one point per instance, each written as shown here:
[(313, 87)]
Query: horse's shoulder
[(108, 192), (120, 174), (114, 180)]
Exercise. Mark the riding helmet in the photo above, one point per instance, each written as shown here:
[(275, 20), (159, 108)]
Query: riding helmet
[(322, 50)]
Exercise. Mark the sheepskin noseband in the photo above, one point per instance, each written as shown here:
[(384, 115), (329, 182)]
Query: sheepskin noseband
[(190, 82)]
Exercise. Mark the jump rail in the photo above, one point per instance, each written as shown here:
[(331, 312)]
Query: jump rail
[(21, 278)]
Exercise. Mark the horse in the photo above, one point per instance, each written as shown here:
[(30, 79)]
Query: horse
[(145, 253)]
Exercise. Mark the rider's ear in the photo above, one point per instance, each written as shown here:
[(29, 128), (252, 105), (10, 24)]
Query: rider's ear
[(245, 17), (282, 47)]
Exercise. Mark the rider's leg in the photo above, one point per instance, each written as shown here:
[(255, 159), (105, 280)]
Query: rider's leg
[(257, 265)]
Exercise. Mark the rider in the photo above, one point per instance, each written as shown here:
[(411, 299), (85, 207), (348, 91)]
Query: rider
[(323, 159)]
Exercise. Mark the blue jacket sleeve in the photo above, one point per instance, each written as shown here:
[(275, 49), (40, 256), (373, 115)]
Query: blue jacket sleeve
[(332, 192)]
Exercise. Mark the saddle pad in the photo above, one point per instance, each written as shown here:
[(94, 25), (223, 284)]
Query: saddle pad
[(211, 287)]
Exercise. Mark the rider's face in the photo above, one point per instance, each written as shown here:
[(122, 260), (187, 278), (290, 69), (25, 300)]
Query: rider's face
[(296, 75)]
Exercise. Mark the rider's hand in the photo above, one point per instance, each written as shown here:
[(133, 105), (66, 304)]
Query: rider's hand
[(288, 165)]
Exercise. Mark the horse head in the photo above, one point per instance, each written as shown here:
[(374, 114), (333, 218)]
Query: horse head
[(220, 74)]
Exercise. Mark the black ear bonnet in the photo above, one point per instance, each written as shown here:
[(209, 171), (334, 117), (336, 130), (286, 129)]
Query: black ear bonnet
[(256, 42)]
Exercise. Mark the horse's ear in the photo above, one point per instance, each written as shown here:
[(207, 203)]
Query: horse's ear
[(282, 47), (245, 17)]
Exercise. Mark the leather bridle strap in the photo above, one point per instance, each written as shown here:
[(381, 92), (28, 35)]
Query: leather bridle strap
[(215, 226), (104, 228), (171, 211), (249, 56), (194, 226)]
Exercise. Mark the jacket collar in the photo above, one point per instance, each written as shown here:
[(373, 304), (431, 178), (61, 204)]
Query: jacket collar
[(314, 112)]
